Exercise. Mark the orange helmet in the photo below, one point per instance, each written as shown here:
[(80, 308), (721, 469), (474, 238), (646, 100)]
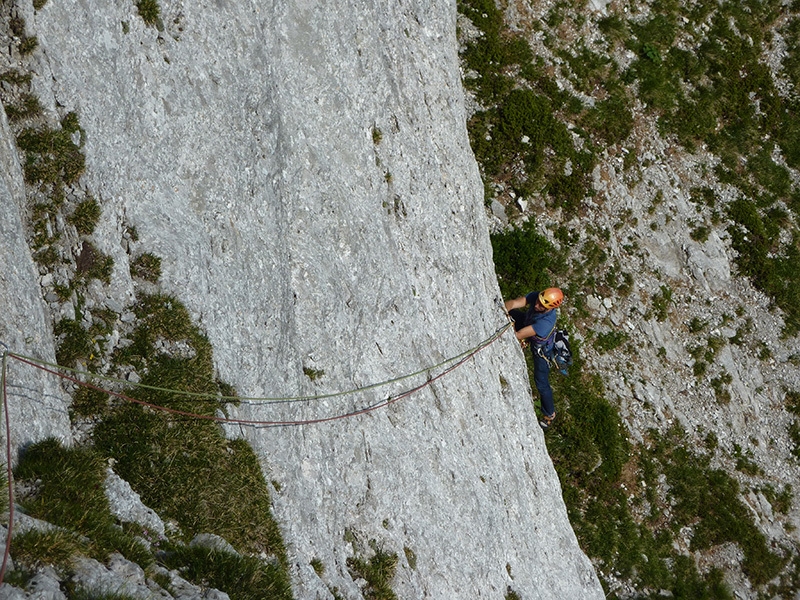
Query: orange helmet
[(551, 298)]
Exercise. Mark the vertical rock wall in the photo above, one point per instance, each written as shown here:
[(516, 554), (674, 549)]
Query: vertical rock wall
[(304, 172), (37, 406)]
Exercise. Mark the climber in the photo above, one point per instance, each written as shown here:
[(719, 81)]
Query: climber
[(537, 326)]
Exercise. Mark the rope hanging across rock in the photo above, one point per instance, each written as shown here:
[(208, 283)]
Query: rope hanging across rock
[(453, 363), (60, 371)]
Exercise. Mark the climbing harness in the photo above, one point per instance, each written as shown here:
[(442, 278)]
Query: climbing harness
[(558, 354)]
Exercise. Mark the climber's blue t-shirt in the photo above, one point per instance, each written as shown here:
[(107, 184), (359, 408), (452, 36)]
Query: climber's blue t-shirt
[(543, 323)]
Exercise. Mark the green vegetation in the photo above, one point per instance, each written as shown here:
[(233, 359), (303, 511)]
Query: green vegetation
[(146, 266), (69, 493), (742, 333), (522, 258), (242, 577), (318, 566), (87, 402), (744, 461), (520, 138), (700, 233), (781, 501), (699, 71), (50, 155), (589, 272), (75, 343), (85, 216), (628, 502), (604, 477), (27, 107), (149, 10), (16, 78), (27, 45), (718, 384), (411, 557), (313, 374), (53, 161), (610, 120), (771, 266), (33, 549), (183, 468), (378, 572), (700, 491), (661, 302), (93, 264), (605, 342), (697, 325), (495, 53), (704, 355), (723, 95), (16, 24)]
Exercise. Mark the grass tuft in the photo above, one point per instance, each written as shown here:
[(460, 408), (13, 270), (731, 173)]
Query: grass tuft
[(50, 156), (87, 402), (241, 577), (75, 343), (85, 216), (93, 264), (28, 45), (147, 266), (378, 572), (27, 107), (70, 493), (34, 549), (149, 10)]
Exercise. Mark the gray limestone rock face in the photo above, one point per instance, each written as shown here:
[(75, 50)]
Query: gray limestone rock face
[(183, 590), (304, 173), (212, 542), (127, 505), (120, 577), (44, 585), (9, 592)]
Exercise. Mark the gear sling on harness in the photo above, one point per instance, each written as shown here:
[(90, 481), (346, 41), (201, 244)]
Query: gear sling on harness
[(554, 348)]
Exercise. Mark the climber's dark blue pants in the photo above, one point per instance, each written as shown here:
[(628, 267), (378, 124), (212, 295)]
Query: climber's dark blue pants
[(541, 370), (541, 377)]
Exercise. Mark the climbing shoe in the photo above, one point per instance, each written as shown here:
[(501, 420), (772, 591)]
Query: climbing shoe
[(546, 422)]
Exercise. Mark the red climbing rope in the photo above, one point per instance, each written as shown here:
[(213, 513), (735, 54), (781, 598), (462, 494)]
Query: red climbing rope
[(9, 473)]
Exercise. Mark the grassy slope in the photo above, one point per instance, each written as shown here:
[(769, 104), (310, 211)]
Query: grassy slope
[(706, 84)]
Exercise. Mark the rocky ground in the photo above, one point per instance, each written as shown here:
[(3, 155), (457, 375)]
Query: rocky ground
[(642, 216)]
